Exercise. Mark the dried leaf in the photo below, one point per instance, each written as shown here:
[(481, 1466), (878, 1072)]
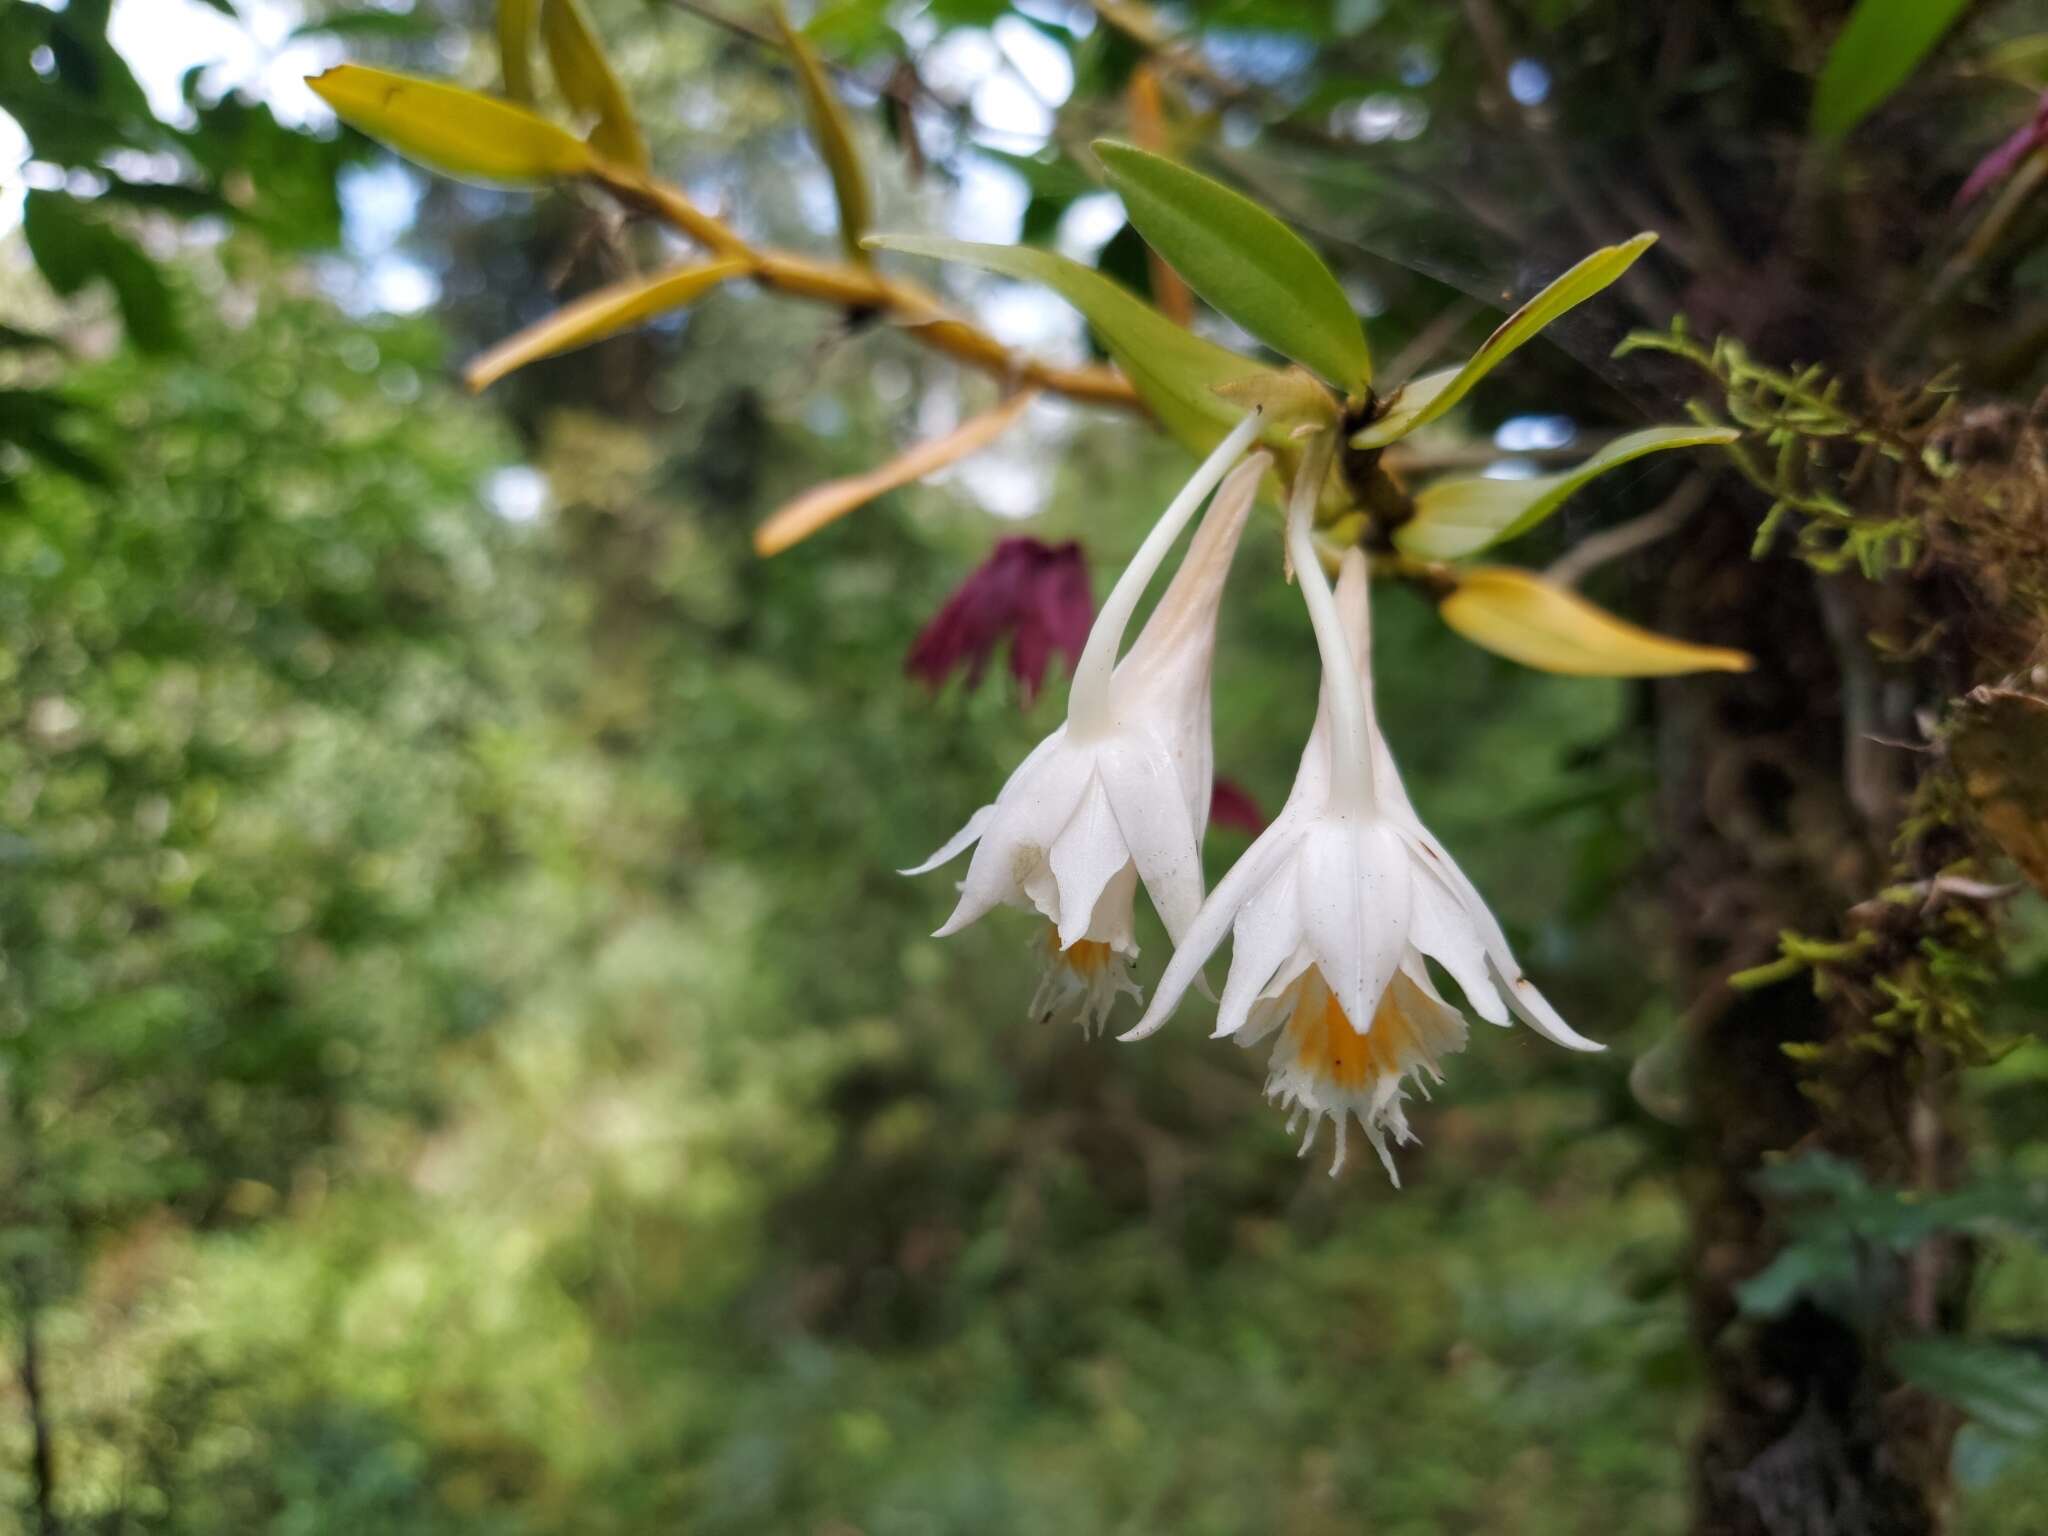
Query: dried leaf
[(822, 504), (598, 315)]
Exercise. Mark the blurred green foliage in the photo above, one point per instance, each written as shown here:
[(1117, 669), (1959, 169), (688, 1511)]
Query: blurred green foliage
[(469, 1067)]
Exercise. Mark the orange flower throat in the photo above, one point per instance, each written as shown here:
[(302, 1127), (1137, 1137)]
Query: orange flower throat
[(1325, 1043)]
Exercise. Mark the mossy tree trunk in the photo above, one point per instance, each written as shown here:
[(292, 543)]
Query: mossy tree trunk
[(1810, 798)]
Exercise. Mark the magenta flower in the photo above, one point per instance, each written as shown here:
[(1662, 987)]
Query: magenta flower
[(1232, 805), (2005, 159), (1035, 593)]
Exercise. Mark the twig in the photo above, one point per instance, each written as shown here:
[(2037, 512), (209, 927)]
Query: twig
[(740, 26), (2016, 194), (42, 1452), (1589, 554), (1425, 344), (863, 290)]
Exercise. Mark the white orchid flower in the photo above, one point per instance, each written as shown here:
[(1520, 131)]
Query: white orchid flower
[(1339, 904), (1119, 794)]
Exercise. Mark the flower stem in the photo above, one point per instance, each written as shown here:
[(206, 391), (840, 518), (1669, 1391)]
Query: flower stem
[(1351, 786), (1088, 713)]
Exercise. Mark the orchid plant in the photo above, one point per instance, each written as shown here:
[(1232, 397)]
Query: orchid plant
[(1340, 906)]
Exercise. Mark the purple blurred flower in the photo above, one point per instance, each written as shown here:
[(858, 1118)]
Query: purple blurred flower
[(1232, 805), (1034, 592), (2005, 159)]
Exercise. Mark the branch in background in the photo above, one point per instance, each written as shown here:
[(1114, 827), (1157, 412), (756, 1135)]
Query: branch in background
[(867, 292), (1424, 346), (1589, 554), (42, 1453), (1594, 223)]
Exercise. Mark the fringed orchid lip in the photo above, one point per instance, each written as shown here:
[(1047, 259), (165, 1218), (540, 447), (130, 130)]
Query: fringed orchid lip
[(1119, 795), (1337, 908)]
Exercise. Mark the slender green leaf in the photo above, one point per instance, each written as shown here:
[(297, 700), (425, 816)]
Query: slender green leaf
[(586, 78), (833, 135), (41, 423), (461, 133), (1174, 370), (74, 248), (14, 339), (1243, 261), (1428, 397), (2002, 1387), (1463, 516), (1878, 48), (405, 26)]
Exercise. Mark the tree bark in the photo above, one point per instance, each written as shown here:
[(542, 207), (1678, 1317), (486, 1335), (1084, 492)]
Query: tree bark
[(1781, 804)]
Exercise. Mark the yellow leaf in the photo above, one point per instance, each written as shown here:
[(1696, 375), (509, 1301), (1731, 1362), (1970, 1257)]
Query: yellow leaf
[(1292, 398), (833, 134), (798, 520), (598, 315), (462, 133), (1519, 615), (587, 80), (515, 46)]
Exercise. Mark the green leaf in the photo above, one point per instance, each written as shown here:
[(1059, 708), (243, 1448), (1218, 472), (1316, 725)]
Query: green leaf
[(1175, 371), (2003, 1388), (1881, 44), (41, 423), (287, 178), (14, 339), (73, 249), (832, 134), (1428, 397), (405, 26), (1462, 516), (1243, 261), (461, 133), (1826, 1270), (589, 83)]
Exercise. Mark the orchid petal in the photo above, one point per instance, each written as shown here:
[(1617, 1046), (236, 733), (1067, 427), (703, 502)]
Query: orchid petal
[(955, 845), (1442, 931), (1268, 932), (1212, 924), (1354, 909), (1147, 796), (1032, 809), (1085, 857), (1535, 1011)]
